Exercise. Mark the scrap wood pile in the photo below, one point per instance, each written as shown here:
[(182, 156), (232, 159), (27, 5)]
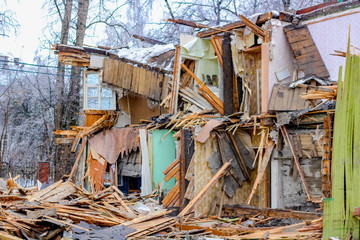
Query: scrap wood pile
[(323, 92), (64, 207), (189, 119), (256, 227)]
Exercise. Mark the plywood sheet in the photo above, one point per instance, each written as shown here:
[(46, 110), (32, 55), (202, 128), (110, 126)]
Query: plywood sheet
[(203, 174)]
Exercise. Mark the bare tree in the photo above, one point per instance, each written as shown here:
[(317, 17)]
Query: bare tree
[(8, 23)]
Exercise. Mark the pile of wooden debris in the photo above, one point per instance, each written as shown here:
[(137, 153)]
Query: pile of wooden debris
[(64, 209)]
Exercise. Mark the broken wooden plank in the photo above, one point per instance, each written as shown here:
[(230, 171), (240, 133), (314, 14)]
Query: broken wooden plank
[(175, 83), (78, 158), (238, 24), (171, 195), (171, 166), (218, 103), (262, 169), (202, 193), (172, 173), (253, 27), (147, 217), (291, 146)]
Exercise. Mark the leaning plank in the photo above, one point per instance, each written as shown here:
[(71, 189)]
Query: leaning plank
[(175, 83), (205, 89), (78, 158), (171, 166), (76, 141), (238, 24), (171, 195), (265, 162), (172, 173), (147, 217), (202, 193), (254, 28), (217, 51), (297, 162)]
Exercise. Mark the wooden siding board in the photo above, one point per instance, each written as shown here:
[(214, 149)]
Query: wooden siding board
[(138, 80), (305, 50)]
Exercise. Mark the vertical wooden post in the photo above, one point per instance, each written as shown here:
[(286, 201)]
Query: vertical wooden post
[(186, 152), (182, 167), (265, 58), (228, 72), (175, 82), (116, 174)]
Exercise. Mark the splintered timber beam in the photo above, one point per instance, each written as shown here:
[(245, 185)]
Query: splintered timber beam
[(238, 24), (202, 193), (194, 24), (205, 91), (217, 51), (296, 158), (78, 158), (175, 83), (261, 172), (254, 28)]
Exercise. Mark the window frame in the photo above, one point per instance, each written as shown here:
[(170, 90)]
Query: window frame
[(99, 87)]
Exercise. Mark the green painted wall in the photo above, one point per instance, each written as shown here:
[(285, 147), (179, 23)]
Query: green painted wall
[(164, 153)]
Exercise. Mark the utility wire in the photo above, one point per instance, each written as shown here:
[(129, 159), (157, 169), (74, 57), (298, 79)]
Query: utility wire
[(35, 65), (53, 74)]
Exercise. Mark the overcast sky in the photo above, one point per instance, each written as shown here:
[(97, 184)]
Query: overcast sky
[(30, 16)]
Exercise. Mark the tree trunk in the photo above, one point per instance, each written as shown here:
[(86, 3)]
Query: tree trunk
[(75, 81), (59, 114), (73, 96)]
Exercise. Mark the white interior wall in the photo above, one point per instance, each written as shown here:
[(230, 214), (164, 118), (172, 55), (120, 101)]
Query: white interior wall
[(281, 55), (330, 33)]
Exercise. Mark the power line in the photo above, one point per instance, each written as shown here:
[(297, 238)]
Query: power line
[(53, 74), (35, 65)]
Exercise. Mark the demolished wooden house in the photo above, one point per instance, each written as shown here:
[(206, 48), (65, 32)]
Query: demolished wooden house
[(237, 115)]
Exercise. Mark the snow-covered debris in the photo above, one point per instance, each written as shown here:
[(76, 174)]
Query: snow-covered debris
[(144, 55)]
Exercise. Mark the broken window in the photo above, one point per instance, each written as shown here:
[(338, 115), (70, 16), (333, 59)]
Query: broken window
[(96, 95)]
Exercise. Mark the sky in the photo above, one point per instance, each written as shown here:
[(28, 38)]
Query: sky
[(31, 18)]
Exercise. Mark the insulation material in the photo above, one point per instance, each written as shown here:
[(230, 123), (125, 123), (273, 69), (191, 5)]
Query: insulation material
[(115, 142), (247, 66), (164, 153), (206, 65), (203, 174)]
